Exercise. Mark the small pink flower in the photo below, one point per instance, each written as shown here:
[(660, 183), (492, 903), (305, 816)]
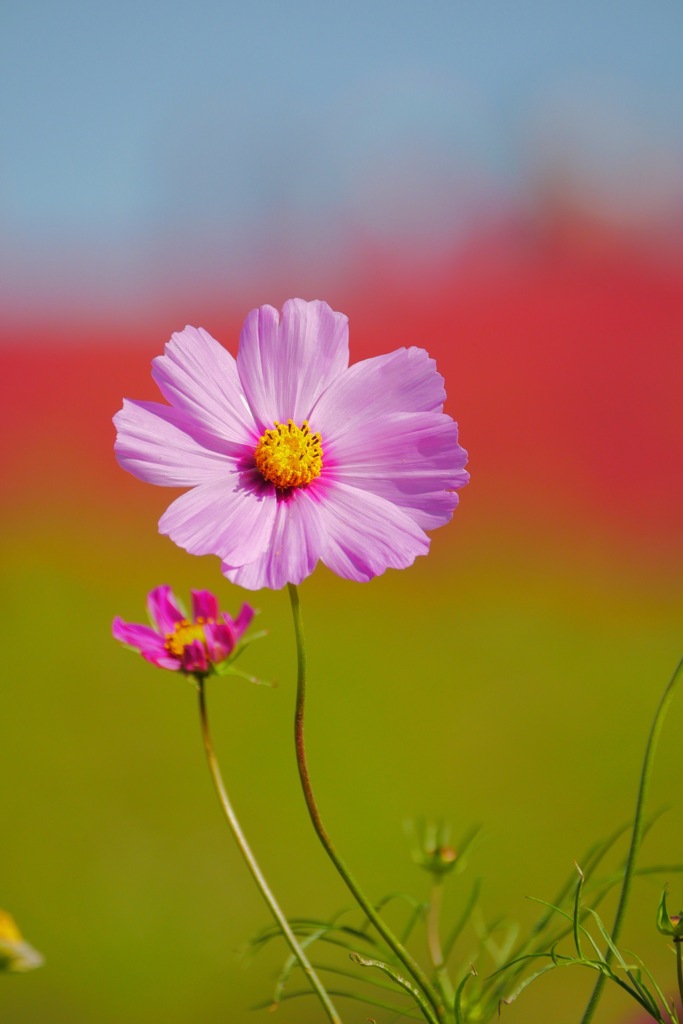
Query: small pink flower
[(291, 455), (182, 645)]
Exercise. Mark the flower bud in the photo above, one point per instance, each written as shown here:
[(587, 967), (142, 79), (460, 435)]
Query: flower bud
[(432, 848), (669, 924)]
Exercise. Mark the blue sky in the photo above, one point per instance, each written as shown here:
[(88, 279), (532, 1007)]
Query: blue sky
[(128, 127)]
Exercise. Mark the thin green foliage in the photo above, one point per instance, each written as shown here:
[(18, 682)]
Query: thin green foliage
[(418, 911), (577, 912), (400, 980), (457, 1003), (516, 961), (325, 931), (637, 831), (289, 965), (480, 997), (627, 974), (342, 994), (498, 983), (463, 920), (364, 976)]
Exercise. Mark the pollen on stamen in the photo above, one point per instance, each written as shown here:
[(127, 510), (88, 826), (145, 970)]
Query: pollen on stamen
[(184, 634), (288, 455)]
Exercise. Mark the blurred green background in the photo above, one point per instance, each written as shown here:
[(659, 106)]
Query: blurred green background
[(508, 679), (497, 183)]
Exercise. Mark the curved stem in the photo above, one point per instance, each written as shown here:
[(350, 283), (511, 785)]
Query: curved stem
[(636, 835), (252, 863), (410, 964)]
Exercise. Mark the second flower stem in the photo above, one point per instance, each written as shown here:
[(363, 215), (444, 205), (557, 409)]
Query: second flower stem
[(636, 834), (436, 1006), (252, 863)]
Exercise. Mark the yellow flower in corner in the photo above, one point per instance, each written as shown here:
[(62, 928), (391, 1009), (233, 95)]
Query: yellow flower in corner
[(15, 954)]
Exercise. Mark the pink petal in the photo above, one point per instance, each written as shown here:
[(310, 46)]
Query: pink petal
[(164, 660), (193, 658), (367, 534), (143, 638), (243, 620), (402, 381), (163, 609), (163, 446), (220, 641), (232, 518), (204, 605), (285, 362), (413, 460), (147, 641), (199, 376), (293, 549)]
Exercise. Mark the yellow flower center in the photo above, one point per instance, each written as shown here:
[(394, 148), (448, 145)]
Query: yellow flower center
[(185, 633), (289, 456), (8, 929)]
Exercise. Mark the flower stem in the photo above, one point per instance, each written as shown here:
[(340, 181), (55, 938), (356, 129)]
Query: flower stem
[(410, 964), (252, 864), (637, 833), (679, 967), (434, 942)]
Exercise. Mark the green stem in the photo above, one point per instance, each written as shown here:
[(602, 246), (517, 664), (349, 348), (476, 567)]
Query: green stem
[(411, 966), (252, 863), (636, 835), (434, 942), (679, 967)]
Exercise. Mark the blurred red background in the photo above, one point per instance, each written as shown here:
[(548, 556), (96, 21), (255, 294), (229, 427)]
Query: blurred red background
[(563, 358)]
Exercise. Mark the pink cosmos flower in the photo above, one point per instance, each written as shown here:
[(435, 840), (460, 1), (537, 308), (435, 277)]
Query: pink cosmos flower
[(194, 647), (292, 455)]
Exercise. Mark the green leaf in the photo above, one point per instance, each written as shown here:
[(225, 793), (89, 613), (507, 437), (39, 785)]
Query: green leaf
[(463, 919), (343, 994), (400, 980), (577, 912), (527, 981), (328, 931), (457, 1002)]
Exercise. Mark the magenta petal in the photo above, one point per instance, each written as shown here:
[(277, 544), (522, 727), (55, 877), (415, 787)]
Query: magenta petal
[(400, 382), (204, 605), (163, 446), (194, 657), (243, 620), (197, 375), (147, 641), (163, 609), (163, 660), (293, 550), (232, 518), (220, 641), (286, 361), (414, 461), (367, 534), (142, 638)]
